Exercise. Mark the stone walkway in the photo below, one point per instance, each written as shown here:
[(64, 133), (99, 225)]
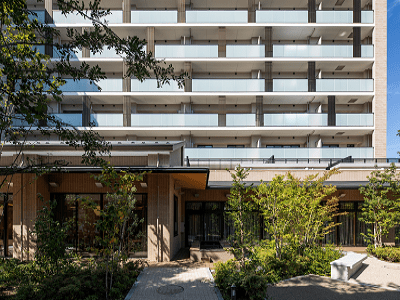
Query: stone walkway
[(174, 283)]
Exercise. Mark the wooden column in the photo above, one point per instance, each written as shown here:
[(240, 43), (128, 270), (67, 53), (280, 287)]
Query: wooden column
[(181, 11), (268, 77), (222, 111), (268, 42), (188, 81), (356, 41), (222, 42), (312, 82), (259, 111), (150, 47), (331, 111), (312, 15), (85, 111), (126, 11)]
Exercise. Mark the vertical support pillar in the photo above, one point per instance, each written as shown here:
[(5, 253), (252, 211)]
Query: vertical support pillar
[(251, 11), (48, 19), (188, 81), (150, 47), (259, 111), (356, 41), (181, 11), (222, 42), (331, 111), (126, 107), (312, 82), (126, 11), (312, 15), (85, 111), (222, 111), (85, 50), (356, 11), (186, 108), (268, 77), (268, 42)]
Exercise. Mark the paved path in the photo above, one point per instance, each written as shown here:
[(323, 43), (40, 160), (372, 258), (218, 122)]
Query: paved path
[(174, 283)]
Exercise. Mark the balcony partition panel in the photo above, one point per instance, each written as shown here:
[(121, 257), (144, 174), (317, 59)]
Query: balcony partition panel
[(216, 16), (107, 120), (228, 85), (345, 85), (265, 153), (271, 120), (115, 17), (281, 16), (154, 17), (150, 85), (174, 120), (84, 85), (246, 120), (186, 51), (290, 85), (355, 120), (243, 51)]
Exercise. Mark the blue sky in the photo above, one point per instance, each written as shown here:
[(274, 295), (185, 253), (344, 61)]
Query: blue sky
[(393, 84)]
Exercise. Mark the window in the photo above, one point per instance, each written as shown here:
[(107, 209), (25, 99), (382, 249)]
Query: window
[(235, 146), (175, 215), (283, 146), (330, 146), (350, 145), (204, 146)]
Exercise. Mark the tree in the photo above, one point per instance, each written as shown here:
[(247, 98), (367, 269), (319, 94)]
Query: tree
[(293, 210), (240, 210), (29, 80), (381, 207)]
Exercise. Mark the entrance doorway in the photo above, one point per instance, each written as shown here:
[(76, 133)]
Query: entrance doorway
[(6, 225)]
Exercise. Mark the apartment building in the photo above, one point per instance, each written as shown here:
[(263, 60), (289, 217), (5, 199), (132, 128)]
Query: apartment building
[(274, 85)]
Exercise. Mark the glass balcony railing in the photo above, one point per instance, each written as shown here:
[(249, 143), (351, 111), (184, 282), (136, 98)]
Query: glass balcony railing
[(239, 120), (295, 120), (107, 120), (70, 119), (290, 85), (343, 16), (74, 55), (242, 51), (84, 85), (186, 51), (115, 17), (367, 16), (154, 17), (40, 16), (223, 153), (216, 16), (345, 85), (355, 120), (340, 51), (174, 120), (282, 16), (150, 85), (228, 85)]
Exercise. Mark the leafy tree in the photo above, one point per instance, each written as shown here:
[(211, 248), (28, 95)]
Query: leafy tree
[(30, 80), (293, 210), (240, 211), (381, 207)]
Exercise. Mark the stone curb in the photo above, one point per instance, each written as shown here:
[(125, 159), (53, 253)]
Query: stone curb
[(216, 289), (132, 290)]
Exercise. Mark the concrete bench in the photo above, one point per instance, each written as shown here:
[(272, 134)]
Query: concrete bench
[(344, 267)]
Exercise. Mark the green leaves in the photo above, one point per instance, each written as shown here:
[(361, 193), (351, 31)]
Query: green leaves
[(381, 207)]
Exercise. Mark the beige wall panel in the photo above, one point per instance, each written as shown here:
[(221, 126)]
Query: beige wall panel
[(380, 77)]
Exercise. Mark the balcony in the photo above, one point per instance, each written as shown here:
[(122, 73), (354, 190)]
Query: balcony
[(228, 85), (150, 85), (345, 85), (40, 16), (74, 55), (74, 120), (240, 120), (186, 51), (244, 51), (243, 153), (84, 85), (216, 16), (174, 120), (115, 17), (290, 85), (107, 120), (154, 17), (343, 17), (317, 120), (323, 51), (282, 16)]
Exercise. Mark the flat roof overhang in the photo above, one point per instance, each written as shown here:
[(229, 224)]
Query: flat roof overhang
[(340, 185)]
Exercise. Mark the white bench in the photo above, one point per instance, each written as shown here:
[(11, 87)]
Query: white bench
[(344, 267)]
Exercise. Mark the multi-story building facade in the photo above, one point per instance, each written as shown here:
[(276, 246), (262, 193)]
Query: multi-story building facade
[(268, 80)]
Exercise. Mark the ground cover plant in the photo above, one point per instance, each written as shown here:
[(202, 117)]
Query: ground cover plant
[(387, 253)]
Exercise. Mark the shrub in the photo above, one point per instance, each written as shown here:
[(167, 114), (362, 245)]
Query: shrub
[(387, 253)]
